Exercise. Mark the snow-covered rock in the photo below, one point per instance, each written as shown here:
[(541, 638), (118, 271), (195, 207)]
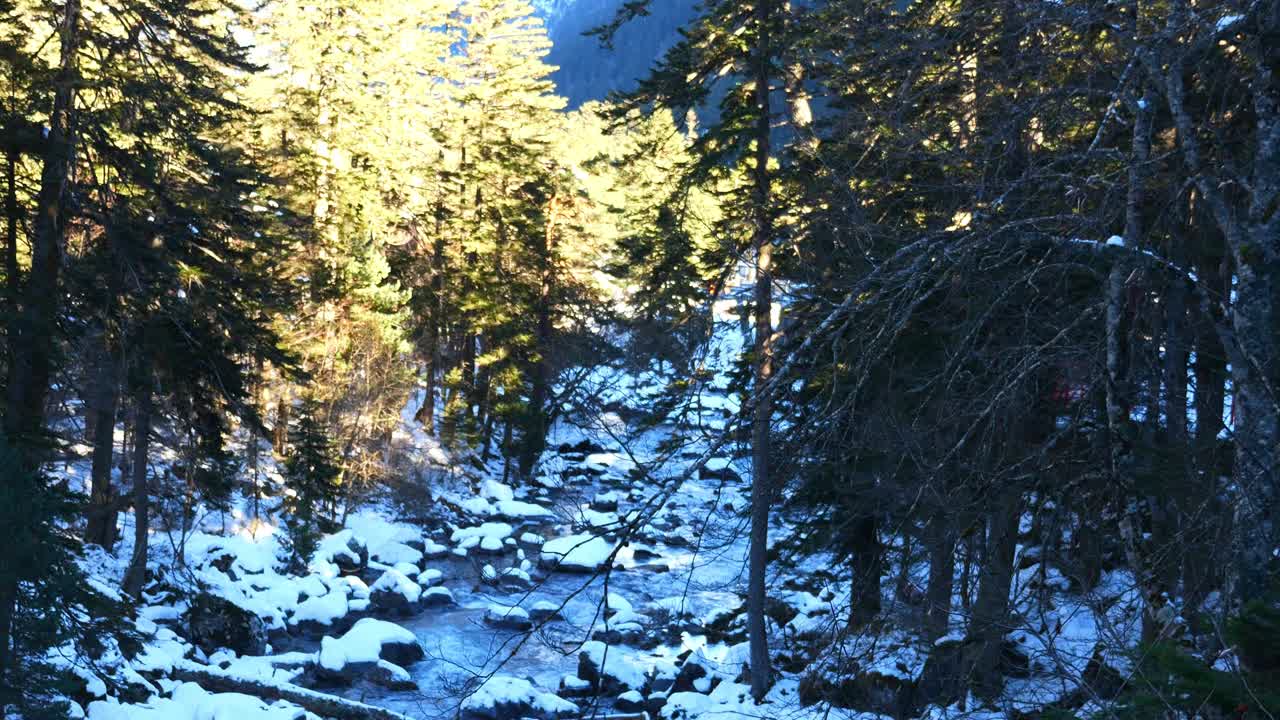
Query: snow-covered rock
[(213, 622), (360, 649), (189, 701), (505, 698), (576, 553), (394, 592), (344, 550), (509, 617), (438, 596), (609, 669), (322, 611)]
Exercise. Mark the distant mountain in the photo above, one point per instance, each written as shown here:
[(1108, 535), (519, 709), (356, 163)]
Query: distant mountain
[(590, 72)]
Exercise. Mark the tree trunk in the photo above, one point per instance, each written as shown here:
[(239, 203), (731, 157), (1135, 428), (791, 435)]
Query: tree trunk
[(868, 567), (1121, 431), (1200, 568), (320, 704), (1252, 236), (12, 216), (427, 413), (761, 481), (942, 567), (101, 515), (1255, 533), (989, 623), (280, 433), (34, 325), (535, 433), (135, 577)]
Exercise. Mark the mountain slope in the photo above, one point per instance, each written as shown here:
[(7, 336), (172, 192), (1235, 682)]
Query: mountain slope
[(589, 72)]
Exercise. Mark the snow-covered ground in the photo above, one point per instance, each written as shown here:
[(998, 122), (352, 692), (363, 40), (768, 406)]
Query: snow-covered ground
[(612, 583)]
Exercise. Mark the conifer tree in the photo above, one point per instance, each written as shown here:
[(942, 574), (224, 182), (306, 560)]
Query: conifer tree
[(311, 475)]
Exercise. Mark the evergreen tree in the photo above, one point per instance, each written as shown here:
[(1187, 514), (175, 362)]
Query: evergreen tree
[(311, 476)]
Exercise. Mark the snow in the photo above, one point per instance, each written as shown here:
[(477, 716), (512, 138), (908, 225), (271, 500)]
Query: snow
[(191, 702), (494, 490), (338, 545), (324, 609), (496, 613), (609, 461), (437, 592), (583, 551), (395, 553), (615, 663), (496, 530), (506, 690), (394, 581), (362, 643)]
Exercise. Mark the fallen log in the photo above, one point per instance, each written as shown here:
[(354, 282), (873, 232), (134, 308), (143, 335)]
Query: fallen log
[(322, 704)]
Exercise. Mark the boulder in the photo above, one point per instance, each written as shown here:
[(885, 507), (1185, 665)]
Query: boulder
[(544, 611), (376, 649), (391, 676), (508, 698), (582, 447), (213, 622), (690, 672), (345, 550), (438, 596), (394, 592), (630, 701), (605, 502), (506, 617), (607, 670)]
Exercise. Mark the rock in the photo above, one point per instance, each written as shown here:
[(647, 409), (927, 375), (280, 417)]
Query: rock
[(508, 698), (396, 553), (616, 677), (213, 622), (506, 617), (629, 702), (641, 553), (1014, 661), (574, 686), (654, 704), (1103, 680), (576, 553), (726, 474), (394, 593), (391, 676), (690, 672), (605, 502), (779, 611), (544, 611), (438, 596), (635, 637), (582, 447), (863, 691), (433, 550), (347, 551), (372, 648), (942, 680)]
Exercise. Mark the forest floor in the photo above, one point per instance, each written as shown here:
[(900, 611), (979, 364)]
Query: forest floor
[(596, 590)]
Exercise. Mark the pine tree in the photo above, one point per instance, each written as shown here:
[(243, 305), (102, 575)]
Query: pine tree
[(311, 477)]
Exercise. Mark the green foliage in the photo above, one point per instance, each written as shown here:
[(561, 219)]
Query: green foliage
[(60, 620), (311, 476), (1175, 680)]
